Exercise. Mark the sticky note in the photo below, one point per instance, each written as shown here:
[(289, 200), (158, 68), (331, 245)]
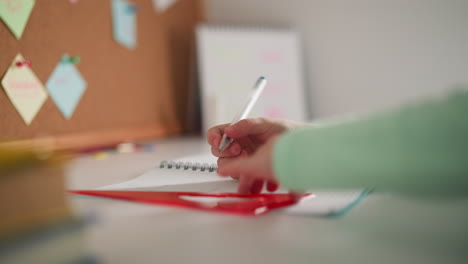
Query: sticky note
[(24, 89), (162, 5), (124, 23), (66, 86), (15, 14)]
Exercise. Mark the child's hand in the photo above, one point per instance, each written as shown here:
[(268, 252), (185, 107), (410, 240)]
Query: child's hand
[(253, 170)]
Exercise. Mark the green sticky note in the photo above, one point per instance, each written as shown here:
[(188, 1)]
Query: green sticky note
[(66, 86), (15, 14)]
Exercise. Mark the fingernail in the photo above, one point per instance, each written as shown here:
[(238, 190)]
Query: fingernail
[(234, 149)]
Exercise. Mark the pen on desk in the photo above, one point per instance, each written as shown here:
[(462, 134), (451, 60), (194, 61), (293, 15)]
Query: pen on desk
[(244, 112)]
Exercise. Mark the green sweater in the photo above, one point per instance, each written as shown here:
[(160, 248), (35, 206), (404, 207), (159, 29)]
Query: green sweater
[(420, 149)]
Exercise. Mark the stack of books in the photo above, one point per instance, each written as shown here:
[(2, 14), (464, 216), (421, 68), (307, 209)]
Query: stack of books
[(36, 222)]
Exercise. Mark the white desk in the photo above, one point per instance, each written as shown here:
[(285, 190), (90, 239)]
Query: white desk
[(382, 229)]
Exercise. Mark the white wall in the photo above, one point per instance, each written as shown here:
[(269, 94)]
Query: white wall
[(363, 55)]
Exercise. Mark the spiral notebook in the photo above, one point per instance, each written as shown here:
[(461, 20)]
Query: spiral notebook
[(198, 174), (191, 174)]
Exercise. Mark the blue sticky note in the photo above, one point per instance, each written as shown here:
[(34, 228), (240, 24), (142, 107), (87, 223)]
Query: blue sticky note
[(124, 23), (66, 86)]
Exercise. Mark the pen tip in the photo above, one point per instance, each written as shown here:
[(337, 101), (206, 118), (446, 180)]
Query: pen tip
[(262, 78), (222, 146)]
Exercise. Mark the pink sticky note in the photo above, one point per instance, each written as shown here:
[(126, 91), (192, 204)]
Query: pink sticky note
[(24, 90)]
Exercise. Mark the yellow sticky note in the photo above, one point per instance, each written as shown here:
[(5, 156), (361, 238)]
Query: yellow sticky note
[(15, 14), (24, 89)]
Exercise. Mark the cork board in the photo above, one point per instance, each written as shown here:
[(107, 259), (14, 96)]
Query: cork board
[(131, 94)]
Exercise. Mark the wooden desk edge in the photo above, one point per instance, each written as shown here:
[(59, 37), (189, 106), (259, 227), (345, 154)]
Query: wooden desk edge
[(92, 139)]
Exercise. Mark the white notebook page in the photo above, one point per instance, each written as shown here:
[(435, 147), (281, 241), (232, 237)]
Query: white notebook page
[(179, 180)]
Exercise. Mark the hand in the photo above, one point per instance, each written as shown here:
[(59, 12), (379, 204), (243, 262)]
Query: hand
[(253, 170), (248, 135)]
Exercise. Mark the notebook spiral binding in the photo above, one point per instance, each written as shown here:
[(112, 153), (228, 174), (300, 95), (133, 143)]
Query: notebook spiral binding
[(188, 166)]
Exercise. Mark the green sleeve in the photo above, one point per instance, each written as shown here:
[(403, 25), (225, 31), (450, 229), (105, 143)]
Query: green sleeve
[(420, 149)]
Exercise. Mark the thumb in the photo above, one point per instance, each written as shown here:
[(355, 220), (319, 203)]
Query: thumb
[(245, 127)]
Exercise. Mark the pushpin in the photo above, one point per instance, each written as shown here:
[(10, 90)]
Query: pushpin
[(23, 63), (72, 60)]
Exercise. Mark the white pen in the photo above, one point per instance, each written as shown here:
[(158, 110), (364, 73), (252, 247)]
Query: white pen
[(244, 112)]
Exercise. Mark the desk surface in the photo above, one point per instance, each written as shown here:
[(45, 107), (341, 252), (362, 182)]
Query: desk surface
[(384, 228)]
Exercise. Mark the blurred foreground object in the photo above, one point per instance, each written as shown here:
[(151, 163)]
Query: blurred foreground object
[(32, 190), (36, 223)]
